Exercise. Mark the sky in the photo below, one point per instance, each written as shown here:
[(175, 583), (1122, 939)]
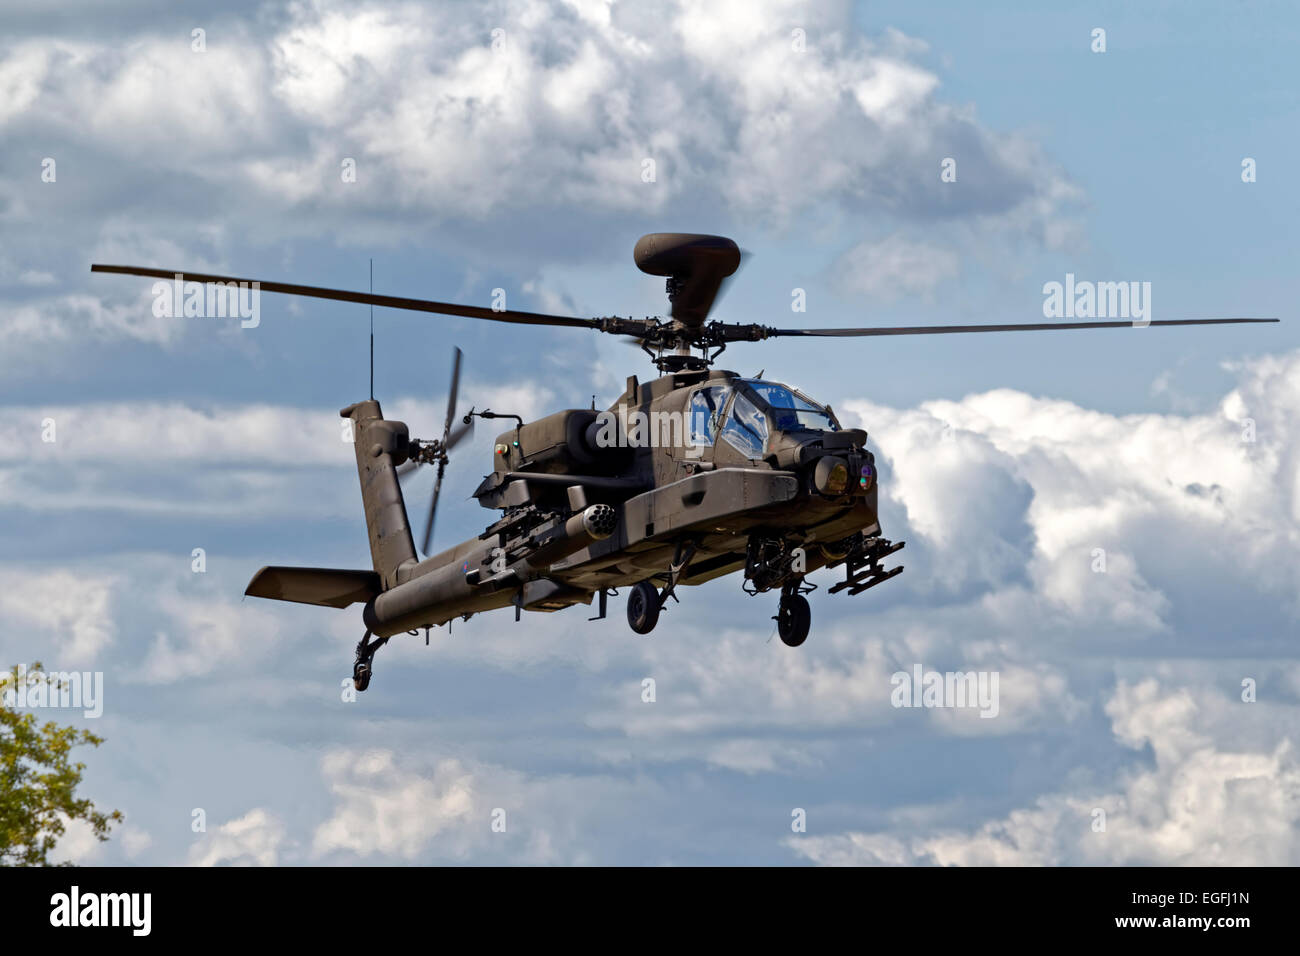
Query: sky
[(1108, 521)]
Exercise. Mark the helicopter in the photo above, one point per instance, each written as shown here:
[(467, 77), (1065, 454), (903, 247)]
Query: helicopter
[(695, 475)]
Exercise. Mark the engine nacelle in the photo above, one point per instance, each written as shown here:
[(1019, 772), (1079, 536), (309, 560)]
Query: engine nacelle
[(556, 445)]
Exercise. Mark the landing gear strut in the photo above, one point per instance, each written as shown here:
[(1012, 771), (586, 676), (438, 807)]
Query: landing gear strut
[(361, 669), (793, 617)]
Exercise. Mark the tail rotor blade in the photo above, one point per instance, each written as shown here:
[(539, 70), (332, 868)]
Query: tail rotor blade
[(433, 509), (451, 398), (449, 439), (458, 434)]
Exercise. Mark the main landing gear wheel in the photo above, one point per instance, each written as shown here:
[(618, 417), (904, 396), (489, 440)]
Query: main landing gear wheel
[(643, 608), (793, 619)]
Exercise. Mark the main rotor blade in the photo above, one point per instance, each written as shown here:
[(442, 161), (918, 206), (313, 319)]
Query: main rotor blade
[(365, 298), (1011, 327)]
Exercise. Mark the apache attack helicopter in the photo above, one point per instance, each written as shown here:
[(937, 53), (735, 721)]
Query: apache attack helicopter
[(694, 475)]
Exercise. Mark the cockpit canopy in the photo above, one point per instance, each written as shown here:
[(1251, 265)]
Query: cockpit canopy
[(790, 411), (747, 411)]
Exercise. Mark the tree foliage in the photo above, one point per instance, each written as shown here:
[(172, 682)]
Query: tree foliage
[(38, 780)]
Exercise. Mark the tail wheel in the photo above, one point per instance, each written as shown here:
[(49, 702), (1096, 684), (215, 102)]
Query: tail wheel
[(361, 675), (793, 619), (643, 608)]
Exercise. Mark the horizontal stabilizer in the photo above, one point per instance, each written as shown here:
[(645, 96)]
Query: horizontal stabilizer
[(324, 586)]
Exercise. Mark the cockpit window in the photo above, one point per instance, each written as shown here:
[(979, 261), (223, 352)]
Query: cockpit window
[(746, 428), (790, 410), (705, 413)]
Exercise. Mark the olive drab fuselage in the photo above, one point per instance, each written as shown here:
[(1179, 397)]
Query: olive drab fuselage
[(674, 463)]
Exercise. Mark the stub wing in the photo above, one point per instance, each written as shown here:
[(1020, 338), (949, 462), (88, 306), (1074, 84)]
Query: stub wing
[(327, 587)]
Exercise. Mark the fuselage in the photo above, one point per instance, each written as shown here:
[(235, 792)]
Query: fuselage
[(705, 457)]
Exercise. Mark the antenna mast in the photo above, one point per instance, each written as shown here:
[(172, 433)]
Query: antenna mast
[(372, 332)]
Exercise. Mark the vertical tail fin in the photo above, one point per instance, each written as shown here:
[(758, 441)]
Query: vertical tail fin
[(380, 447)]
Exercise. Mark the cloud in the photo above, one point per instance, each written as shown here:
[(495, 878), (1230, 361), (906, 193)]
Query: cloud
[(21, 73), (421, 807), (73, 611), (490, 125), (535, 104), (386, 810), (119, 432), (152, 621), (734, 700), (255, 839), (1210, 799), (176, 458), (135, 841), (78, 845), (1150, 490), (204, 635), (891, 268), (61, 318)]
